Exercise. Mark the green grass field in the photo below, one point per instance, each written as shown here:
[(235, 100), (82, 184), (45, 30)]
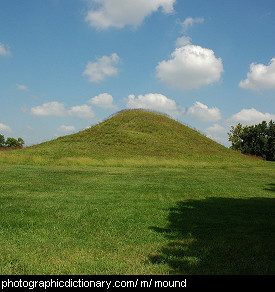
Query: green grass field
[(192, 214)]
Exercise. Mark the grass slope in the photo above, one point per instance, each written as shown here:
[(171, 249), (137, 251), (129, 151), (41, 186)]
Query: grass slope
[(130, 134)]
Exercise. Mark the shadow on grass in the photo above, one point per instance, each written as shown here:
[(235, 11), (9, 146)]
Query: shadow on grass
[(271, 187), (220, 236)]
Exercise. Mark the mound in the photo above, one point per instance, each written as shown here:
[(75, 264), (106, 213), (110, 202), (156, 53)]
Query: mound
[(134, 133)]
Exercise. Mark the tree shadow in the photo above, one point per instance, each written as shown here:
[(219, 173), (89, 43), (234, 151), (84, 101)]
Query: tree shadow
[(220, 236), (271, 187)]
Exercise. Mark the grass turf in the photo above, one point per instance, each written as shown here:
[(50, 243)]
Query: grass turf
[(192, 219), (137, 194)]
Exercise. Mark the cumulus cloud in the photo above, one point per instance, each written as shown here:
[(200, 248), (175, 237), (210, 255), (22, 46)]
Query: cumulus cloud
[(4, 128), (190, 21), (57, 109), (190, 67), (53, 108), (103, 100), (183, 41), (66, 129), (4, 50), (154, 101), (215, 129), (120, 13), (203, 113), (218, 133), (102, 68), (260, 77), (250, 117), (81, 111)]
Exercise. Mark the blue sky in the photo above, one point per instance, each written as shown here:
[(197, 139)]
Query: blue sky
[(67, 64)]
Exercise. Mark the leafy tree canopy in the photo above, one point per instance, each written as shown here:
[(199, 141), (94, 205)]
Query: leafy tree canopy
[(11, 142), (2, 140), (256, 140)]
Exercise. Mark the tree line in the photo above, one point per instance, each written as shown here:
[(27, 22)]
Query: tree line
[(258, 140), (11, 142)]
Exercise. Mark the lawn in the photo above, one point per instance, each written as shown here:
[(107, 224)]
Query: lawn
[(123, 219)]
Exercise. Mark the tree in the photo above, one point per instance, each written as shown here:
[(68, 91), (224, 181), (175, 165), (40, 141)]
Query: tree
[(271, 141), (2, 141), (20, 142), (12, 142), (256, 140), (235, 137)]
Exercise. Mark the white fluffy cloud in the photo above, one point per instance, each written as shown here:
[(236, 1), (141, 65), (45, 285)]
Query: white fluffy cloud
[(190, 21), (190, 67), (4, 128), (215, 129), (66, 129), (218, 133), (260, 77), (81, 111), (120, 13), (183, 41), (102, 68), (53, 108), (104, 100), (251, 117), (4, 50), (57, 109), (203, 113), (154, 101)]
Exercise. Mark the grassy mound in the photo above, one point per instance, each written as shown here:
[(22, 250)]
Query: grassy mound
[(131, 134)]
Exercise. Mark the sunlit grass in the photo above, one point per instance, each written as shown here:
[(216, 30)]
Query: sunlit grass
[(82, 219), (26, 159), (136, 194), (129, 135)]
